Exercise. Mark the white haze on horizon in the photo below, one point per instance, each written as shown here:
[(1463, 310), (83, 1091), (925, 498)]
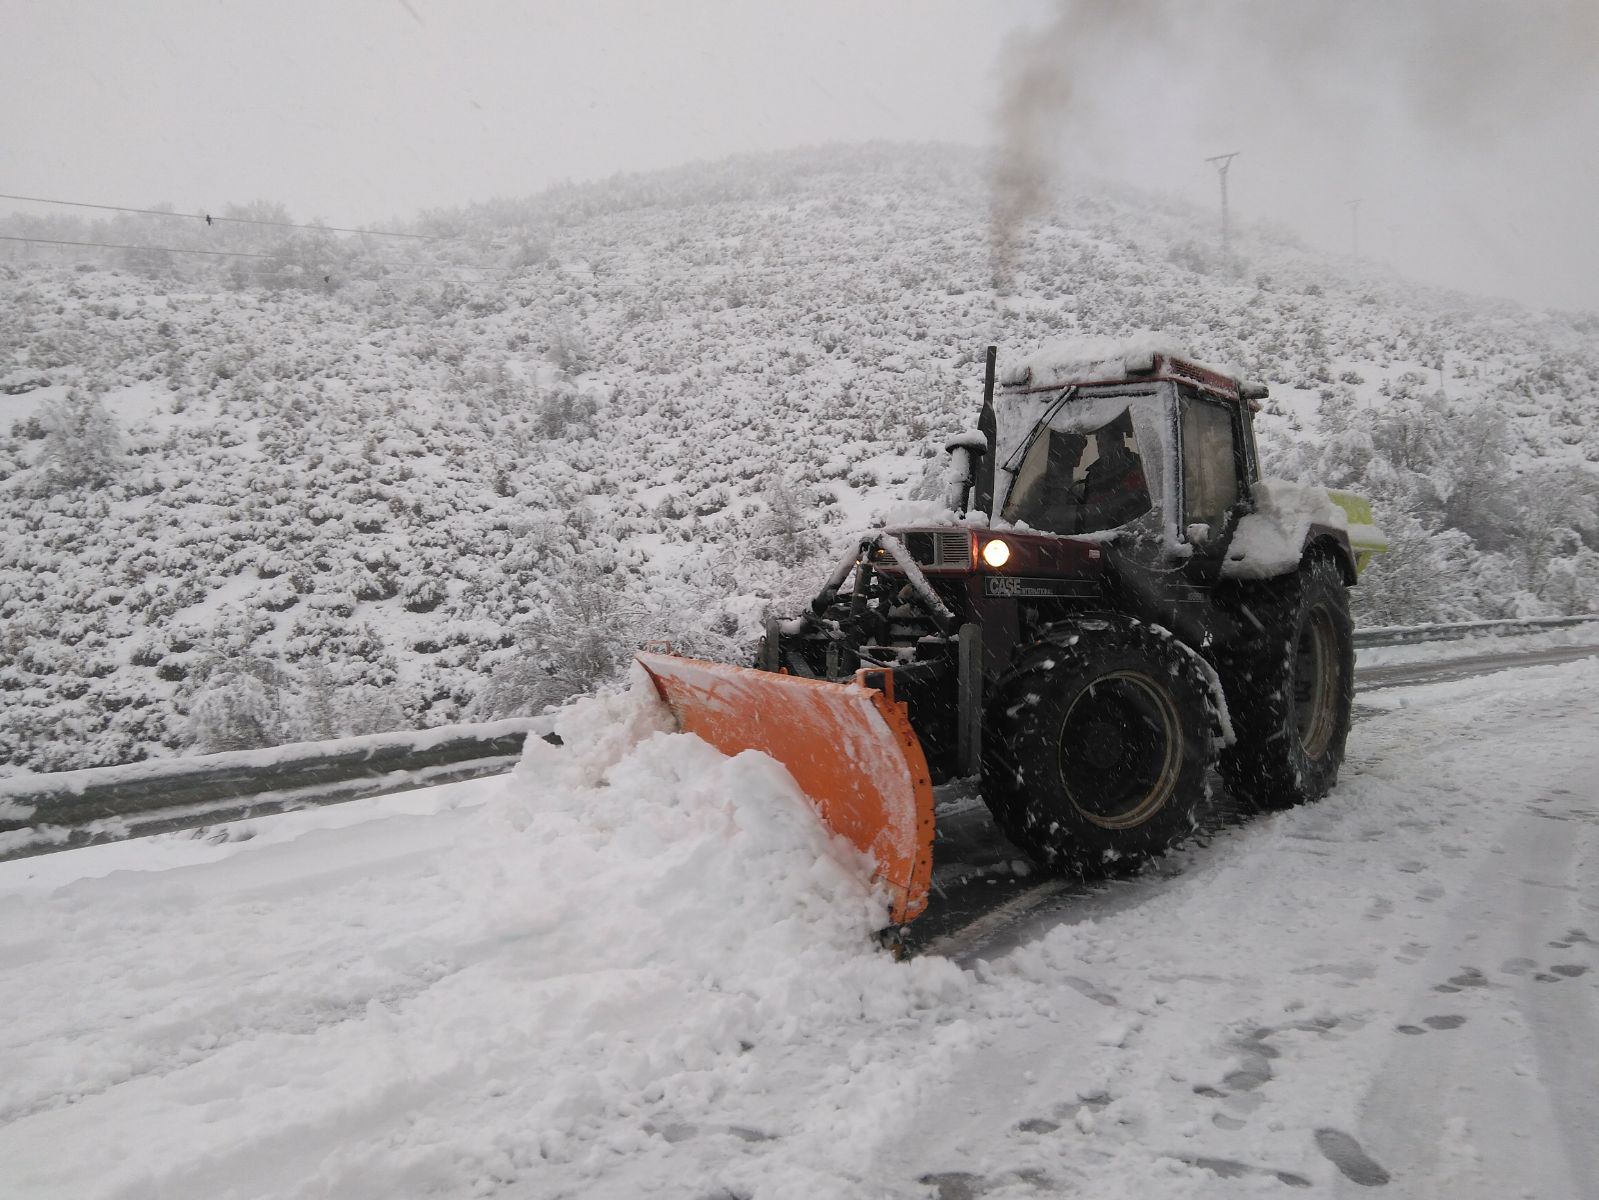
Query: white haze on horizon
[(1464, 127)]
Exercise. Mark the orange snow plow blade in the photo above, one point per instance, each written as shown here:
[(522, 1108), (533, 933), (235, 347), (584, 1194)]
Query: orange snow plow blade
[(848, 746)]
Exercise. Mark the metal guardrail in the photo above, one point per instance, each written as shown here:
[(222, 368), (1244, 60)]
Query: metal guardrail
[(65, 809), (1412, 635)]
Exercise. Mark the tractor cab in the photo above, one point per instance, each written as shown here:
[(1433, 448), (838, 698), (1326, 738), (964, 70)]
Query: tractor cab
[(1150, 451)]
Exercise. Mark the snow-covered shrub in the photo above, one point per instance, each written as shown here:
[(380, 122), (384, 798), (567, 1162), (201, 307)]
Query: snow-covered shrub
[(239, 707), (585, 638), (82, 442), (379, 584), (1423, 576), (1571, 584), (1198, 257), (568, 345), (564, 411), (423, 593), (520, 686), (277, 595), (330, 705)]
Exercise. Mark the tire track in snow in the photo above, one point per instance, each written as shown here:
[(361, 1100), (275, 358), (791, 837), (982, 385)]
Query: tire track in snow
[(186, 998), (193, 1038), (1510, 1109), (996, 909), (1421, 832)]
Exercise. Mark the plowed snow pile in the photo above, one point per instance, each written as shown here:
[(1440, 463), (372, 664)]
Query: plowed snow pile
[(632, 847), (621, 942)]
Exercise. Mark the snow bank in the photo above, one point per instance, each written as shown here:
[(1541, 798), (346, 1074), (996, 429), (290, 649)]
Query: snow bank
[(263, 761), (1483, 641), (633, 846), (1270, 540)]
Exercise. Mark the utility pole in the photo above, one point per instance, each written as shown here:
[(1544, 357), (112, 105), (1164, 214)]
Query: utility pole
[(1354, 225), (1221, 162)]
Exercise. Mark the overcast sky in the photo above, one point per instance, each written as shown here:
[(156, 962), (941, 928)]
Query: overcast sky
[(1468, 129)]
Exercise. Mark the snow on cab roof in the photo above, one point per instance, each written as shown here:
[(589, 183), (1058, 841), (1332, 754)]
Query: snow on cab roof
[(1097, 359)]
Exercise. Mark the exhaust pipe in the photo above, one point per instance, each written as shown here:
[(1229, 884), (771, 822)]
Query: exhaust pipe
[(986, 425)]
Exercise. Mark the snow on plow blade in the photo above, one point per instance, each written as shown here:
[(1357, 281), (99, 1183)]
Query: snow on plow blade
[(849, 747)]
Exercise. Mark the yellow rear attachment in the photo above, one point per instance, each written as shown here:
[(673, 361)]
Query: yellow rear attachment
[(1365, 539)]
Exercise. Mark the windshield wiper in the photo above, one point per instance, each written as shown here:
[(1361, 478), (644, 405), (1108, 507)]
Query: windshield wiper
[(1013, 464)]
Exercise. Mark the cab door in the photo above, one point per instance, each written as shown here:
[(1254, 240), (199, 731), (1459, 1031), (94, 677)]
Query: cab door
[(1215, 477)]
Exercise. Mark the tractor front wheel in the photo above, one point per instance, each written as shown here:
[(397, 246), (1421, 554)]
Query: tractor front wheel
[(1095, 746)]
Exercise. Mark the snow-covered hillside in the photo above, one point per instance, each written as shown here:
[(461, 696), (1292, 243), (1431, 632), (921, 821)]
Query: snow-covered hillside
[(398, 493)]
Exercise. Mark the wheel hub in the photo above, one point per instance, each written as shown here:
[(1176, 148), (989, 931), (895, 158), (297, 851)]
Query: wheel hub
[(1103, 747), (1121, 750), (1316, 682)]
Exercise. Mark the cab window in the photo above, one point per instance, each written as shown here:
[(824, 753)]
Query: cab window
[(1210, 463), (1081, 481)]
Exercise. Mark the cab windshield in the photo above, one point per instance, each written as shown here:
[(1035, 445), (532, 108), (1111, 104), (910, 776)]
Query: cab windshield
[(1081, 476)]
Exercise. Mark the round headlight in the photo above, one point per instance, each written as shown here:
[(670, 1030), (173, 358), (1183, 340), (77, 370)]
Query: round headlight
[(996, 553)]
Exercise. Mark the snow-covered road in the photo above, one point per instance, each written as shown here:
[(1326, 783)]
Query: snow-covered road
[(639, 970)]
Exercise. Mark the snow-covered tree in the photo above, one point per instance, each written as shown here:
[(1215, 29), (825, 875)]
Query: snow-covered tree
[(788, 529)]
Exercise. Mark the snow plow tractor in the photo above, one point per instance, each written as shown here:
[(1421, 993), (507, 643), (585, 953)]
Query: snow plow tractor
[(1115, 602)]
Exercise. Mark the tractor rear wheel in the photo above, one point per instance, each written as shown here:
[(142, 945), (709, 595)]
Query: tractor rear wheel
[(1289, 688), (1095, 746)]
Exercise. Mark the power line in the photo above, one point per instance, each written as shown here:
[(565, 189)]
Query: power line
[(210, 220), (7, 237)]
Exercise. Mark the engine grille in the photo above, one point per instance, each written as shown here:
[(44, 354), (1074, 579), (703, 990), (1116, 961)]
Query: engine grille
[(944, 549)]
